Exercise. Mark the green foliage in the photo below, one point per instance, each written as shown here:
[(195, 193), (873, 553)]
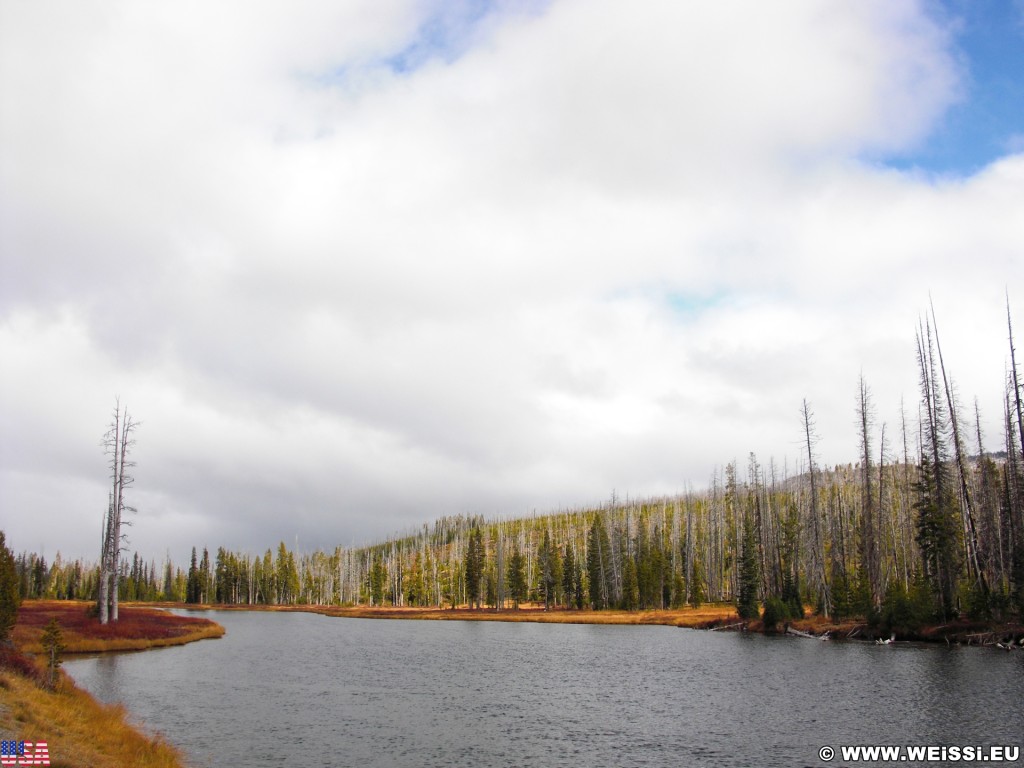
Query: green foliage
[(907, 611), (579, 595), (678, 599), (775, 610), (475, 561), (697, 594), (550, 569), (194, 590), (746, 602), (860, 603), (978, 601), (569, 575), (517, 585), (791, 597), (630, 589), (53, 643), (378, 578), (840, 590), (599, 564), (10, 598)]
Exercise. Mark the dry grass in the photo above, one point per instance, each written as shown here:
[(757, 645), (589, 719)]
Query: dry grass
[(704, 617), (79, 731), (136, 629)]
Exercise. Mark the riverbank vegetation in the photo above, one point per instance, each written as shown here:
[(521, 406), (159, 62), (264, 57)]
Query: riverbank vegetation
[(79, 731), (139, 628), (38, 702), (925, 528)]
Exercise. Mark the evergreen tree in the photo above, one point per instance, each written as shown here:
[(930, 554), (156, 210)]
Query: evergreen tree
[(492, 588), (598, 564), (746, 603), (194, 590), (378, 578), (630, 587), (937, 528), (474, 567), (53, 643), (579, 597), (568, 575), (10, 597), (547, 556), (204, 577), (517, 585)]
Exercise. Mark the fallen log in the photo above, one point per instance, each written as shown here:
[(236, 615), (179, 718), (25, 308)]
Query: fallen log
[(730, 626)]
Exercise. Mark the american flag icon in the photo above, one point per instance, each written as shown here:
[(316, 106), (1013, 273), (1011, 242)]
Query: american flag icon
[(17, 753)]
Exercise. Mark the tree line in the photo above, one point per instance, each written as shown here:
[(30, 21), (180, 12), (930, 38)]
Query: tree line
[(927, 524)]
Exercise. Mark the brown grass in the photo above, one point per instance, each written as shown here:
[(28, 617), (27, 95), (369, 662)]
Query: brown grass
[(136, 629), (702, 618), (79, 731)]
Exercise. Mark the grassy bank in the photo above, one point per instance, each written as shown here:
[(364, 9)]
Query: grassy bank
[(705, 617), (138, 628), (711, 616), (80, 731)]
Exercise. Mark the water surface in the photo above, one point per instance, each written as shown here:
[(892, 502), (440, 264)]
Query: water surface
[(297, 688)]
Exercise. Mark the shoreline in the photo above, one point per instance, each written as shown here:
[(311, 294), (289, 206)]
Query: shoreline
[(81, 731), (712, 617)]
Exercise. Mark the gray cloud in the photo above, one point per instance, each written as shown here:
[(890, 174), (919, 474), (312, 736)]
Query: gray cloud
[(354, 268)]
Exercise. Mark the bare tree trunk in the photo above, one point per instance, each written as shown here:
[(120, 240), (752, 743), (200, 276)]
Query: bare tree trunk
[(970, 530), (869, 527), (118, 441), (818, 554)]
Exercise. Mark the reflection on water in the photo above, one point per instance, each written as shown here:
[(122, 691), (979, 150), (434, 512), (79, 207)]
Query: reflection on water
[(301, 688)]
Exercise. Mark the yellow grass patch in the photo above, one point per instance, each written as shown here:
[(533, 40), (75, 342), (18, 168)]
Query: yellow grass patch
[(79, 731), (705, 616)]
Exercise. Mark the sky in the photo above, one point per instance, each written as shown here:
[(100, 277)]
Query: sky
[(355, 266)]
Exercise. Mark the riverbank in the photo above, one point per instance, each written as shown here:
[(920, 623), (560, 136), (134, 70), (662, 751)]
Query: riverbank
[(79, 731), (715, 616), (138, 628), (705, 617)]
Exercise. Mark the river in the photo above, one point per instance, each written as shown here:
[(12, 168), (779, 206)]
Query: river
[(309, 690)]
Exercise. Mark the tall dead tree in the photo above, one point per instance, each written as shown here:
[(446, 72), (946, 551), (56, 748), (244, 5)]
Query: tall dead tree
[(1017, 386), (869, 532), (970, 532), (117, 442), (818, 543)]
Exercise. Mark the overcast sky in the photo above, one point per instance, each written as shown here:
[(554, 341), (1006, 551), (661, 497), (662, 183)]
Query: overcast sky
[(357, 265)]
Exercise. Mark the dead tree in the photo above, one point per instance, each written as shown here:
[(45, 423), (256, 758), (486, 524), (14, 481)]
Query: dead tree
[(118, 442)]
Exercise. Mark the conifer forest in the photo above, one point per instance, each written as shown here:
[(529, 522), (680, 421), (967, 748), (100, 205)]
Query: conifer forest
[(927, 523)]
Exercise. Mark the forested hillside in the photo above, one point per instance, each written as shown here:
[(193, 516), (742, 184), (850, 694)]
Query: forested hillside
[(927, 524)]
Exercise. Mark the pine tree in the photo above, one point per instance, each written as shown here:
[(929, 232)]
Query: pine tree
[(53, 643), (746, 603), (630, 587), (517, 585), (546, 558), (378, 578), (568, 575), (10, 596), (194, 590), (474, 567), (937, 531), (598, 564)]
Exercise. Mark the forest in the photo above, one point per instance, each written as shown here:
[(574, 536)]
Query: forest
[(926, 525)]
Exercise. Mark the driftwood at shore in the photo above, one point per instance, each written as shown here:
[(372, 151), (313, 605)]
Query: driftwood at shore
[(808, 635), (730, 626)]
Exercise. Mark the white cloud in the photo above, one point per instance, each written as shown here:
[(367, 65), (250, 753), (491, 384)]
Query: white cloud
[(567, 249)]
